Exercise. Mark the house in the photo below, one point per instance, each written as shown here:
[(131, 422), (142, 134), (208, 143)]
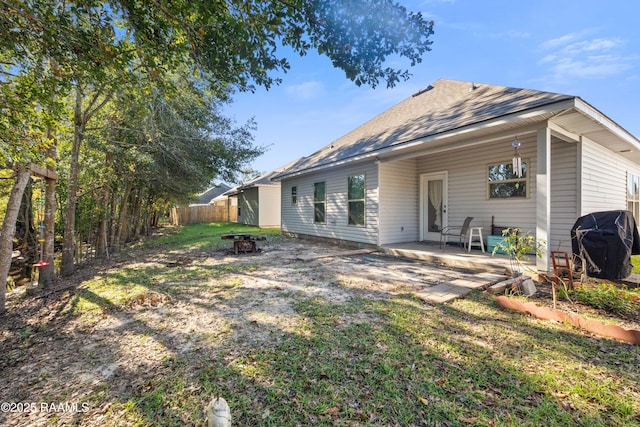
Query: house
[(257, 201), (447, 152), (212, 193)]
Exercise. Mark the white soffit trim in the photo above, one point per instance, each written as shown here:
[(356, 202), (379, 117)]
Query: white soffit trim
[(605, 121)]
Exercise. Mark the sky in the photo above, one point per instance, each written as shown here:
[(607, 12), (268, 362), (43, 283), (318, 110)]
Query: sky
[(584, 48)]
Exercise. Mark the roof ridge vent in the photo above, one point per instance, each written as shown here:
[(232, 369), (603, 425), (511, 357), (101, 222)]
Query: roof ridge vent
[(421, 91), (473, 87)]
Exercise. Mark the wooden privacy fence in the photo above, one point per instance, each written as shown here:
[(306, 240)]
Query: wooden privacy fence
[(201, 213)]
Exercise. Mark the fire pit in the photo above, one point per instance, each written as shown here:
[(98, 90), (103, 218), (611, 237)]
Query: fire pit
[(245, 243)]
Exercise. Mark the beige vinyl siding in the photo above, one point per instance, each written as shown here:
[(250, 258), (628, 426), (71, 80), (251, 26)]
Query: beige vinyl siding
[(269, 206), (249, 207), (564, 193), (585, 177), (399, 202), (467, 190), (604, 178), (298, 218)]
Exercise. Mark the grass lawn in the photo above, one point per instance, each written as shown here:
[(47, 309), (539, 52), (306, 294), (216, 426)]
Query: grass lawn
[(358, 361), (205, 236), (635, 261)]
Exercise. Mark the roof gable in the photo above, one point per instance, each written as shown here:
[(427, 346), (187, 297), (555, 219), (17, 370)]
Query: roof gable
[(443, 106)]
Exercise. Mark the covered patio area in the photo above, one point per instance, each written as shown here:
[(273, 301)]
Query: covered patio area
[(456, 257)]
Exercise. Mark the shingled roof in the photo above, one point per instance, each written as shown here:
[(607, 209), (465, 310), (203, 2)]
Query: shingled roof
[(211, 193), (443, 106), (260, 181)]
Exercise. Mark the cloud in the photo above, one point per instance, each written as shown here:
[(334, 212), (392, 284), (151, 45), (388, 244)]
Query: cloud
[(593, 45), (577, 55), (591, 67), (560, 41), (305, 91)]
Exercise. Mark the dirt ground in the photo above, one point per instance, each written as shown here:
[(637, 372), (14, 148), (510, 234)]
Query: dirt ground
[(50, 359)]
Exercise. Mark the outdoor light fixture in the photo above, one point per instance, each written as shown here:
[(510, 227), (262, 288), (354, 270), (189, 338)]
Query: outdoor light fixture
[(517, 160)]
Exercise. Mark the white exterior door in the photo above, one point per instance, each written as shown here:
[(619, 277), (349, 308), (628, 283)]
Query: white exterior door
[(433, 205)]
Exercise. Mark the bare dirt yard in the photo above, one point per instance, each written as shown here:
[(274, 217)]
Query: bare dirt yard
[(75, 356)]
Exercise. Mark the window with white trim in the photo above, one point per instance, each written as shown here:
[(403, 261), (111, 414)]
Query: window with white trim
[(503, 183), (356, 199), (294, 195), (319, 202)]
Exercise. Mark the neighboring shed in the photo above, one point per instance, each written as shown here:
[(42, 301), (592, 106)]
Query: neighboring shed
[(446, 153), (258, 201)]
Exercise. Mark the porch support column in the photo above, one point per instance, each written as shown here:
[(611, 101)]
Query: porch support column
[(543, 196)]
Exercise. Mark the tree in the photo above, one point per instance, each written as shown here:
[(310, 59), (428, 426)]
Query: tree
[(147, 147), (22, 141), (9, 227), (41, 43), (83, 112), (91, 47), (235, 42)]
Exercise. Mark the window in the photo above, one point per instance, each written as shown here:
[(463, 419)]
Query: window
[(633, 195), (356, 198), (294, 195), (503, 183), (319, 202)]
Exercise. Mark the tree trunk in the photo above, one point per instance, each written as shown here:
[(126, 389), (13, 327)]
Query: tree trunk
[(103, 224), (148, 215), (101, 244), (46, 274), (9, 228), (123, 217), (136, 215), (113, 223), (101, 239), (67, 268), (25, 231)]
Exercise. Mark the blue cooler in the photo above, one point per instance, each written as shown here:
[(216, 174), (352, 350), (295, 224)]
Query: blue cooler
[(493, 241)]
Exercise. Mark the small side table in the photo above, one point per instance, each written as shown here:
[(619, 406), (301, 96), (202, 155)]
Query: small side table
[(475, 238)]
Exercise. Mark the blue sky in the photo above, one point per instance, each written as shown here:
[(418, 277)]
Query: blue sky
[(586, 48)]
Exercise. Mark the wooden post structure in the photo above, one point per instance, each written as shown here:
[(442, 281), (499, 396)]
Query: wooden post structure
[(43, 172), (45, 275)]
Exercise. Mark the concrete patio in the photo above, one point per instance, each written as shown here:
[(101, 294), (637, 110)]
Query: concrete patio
[(482, 268), (434, 275), (454, 256)]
